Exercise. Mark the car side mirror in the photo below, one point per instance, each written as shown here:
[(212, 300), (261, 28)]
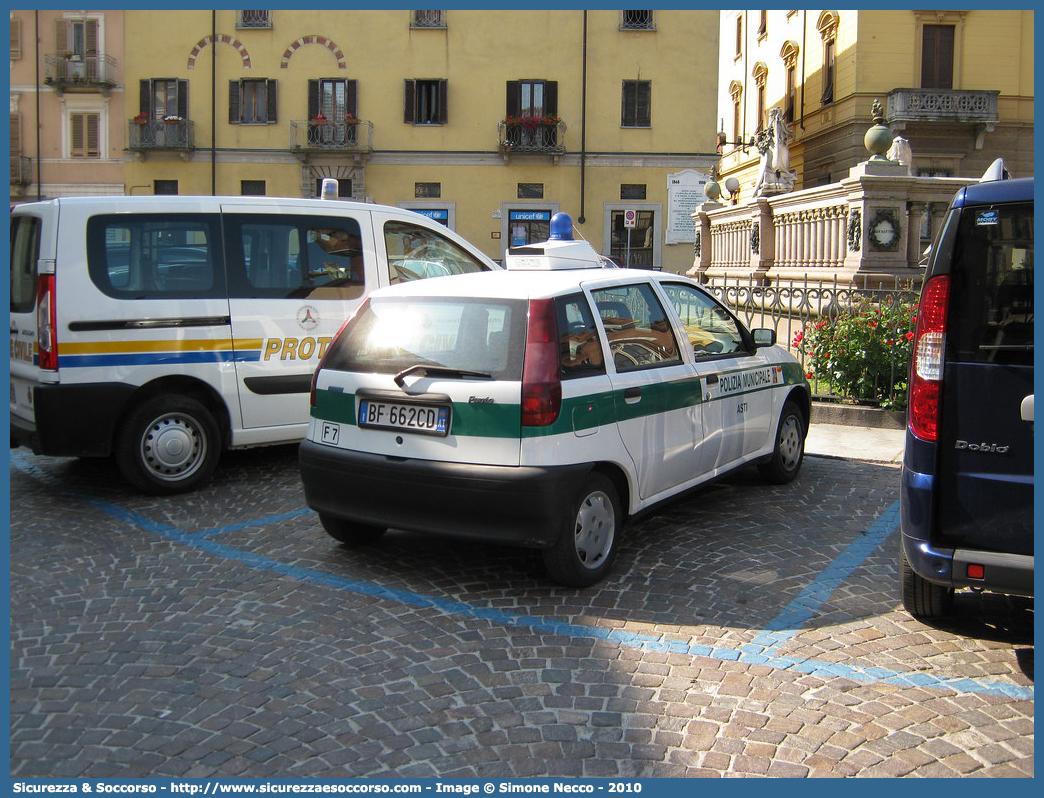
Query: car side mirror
[(763, 337)]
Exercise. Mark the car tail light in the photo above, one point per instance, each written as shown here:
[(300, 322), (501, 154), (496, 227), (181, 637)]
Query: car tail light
[(926, 369), (47, 324), (322, 361), (541, 385)]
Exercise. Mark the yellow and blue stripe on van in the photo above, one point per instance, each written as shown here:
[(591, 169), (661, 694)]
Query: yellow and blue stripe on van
[(94, 354)]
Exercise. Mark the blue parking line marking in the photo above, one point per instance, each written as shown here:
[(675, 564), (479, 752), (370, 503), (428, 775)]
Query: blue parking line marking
[(270, 519), (806, 605), (850, 559)]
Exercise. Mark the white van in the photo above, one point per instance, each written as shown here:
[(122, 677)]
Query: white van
[(163, 330)]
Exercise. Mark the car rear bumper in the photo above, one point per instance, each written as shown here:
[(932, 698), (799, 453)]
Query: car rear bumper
[(516, 505), (1002, 572)]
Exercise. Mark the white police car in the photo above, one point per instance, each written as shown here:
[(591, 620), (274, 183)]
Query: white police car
[(542, 405)]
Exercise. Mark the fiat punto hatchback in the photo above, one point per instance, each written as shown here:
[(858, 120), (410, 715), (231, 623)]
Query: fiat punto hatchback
[(542, 405)]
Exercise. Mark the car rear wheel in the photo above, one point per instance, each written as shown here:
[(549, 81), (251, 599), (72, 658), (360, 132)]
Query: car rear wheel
[(788, 453), (168, 445), (921, 598), (350, 533), (585, 550)]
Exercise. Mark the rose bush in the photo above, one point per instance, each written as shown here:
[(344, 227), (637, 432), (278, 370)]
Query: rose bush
[(863, 352)]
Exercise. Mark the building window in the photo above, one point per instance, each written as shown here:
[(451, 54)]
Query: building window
[(165, 187), (84, 132), (333, 98), (937, 56), (636, 104), (827, 26), (344, 188), (739, 35), (530, 190), (736, 92), (760, 75), (427, 190), (762, 23), (16, 39), (637, 20), (163, 97), (532, 98), (632, 191), (425, 102), (428, 19), (829, 66), (252, 101), (633, 246), (790, 99), (528, 227), (252, 188), (253, 19), (77, 37)]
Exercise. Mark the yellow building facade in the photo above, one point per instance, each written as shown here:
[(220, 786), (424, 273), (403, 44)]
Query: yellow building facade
[(490, 121), (957, 86)]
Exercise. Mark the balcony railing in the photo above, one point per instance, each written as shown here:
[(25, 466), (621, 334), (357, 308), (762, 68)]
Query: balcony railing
[(942, 105), (92, 72), (253, 19), (21, 170), (428, 19), (158, 134), (313, 136), (531, 138)]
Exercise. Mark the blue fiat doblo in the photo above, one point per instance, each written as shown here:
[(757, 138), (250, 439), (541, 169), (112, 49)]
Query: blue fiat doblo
[(967, 478)]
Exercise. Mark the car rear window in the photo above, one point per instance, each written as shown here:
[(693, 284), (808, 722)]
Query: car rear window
[(471, 334), (991, 289)]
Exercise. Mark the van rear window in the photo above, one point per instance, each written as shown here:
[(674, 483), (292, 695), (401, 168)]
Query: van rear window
[(25, 251), (155, 256), (991, 293)]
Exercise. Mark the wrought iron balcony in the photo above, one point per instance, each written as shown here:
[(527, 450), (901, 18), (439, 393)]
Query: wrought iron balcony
[(324, 136), (428, 19), (253, 19), (942, 105), (160, 134), (80, 73), (524, 136)]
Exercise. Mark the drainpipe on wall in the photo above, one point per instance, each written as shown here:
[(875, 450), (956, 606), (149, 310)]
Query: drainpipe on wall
[(36, 52), (583, 126), (213, 103)]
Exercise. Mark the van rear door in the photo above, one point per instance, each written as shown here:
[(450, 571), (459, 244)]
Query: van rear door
[(985, 444), (27, 232)]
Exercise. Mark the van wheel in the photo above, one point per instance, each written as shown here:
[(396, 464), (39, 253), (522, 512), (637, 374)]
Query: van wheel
[(168, 445), (590, 538), (350, 533), (921, 598), (788, 453)]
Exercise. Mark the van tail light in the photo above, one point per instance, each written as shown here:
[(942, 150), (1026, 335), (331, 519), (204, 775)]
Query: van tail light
[(926, 368), (322, 361), (47, 324), (541, 385)]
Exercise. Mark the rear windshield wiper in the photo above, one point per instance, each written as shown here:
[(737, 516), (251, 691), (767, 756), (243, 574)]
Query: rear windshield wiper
[(438, 371)]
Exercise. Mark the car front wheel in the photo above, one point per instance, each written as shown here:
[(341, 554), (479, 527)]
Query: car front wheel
[(784, 463), (585, 550)]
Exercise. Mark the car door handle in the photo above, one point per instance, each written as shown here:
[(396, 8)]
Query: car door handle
[(632, 395), (1027, 408)]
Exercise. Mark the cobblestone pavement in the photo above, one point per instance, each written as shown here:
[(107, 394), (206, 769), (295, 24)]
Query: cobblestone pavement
[(747, 631)]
